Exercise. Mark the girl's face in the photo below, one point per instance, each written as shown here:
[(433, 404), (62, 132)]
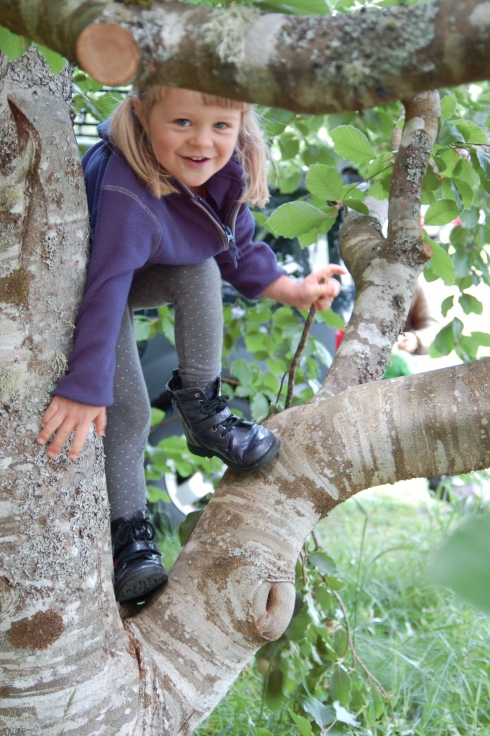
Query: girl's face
[(192, 141)]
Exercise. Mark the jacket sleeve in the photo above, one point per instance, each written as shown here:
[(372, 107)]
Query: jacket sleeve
[(125, 236), (256, 265)]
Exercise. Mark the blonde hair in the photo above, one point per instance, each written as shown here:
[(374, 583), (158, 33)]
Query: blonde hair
[(129, 134)]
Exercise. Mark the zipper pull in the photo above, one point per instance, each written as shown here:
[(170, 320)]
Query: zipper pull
[(229, 236), (231, 244)]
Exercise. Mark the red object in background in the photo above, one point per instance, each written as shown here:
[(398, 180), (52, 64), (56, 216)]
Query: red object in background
[(339, 335)]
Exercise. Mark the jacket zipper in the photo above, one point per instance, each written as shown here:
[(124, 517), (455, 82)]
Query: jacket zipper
[(227, 232)]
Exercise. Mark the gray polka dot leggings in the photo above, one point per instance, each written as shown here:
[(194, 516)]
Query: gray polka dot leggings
[(195, 292)]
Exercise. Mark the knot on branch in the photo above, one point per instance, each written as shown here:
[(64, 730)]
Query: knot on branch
[(273, 606)]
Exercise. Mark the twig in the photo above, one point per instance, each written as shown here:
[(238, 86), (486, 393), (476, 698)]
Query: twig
[(230, 381), (297, 355), (303, 558), (326, 730), (351, 646)]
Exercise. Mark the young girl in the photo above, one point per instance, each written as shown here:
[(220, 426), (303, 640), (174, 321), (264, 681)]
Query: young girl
[(168, 188)]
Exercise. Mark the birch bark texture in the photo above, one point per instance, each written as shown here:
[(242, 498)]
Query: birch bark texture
[(69, 662), (312, 64)]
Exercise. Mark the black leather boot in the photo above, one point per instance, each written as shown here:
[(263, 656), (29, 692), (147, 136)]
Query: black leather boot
[(213, 431), (137, 569)]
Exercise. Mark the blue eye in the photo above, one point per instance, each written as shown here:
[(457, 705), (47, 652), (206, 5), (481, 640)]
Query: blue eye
[(183, 122), (221, 126)]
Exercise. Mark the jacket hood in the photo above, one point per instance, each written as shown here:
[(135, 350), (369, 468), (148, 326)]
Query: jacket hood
[(104, 130)]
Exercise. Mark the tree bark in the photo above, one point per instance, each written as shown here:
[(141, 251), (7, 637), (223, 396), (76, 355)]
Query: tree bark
[(376, 262), (60, 629), (308, 64)]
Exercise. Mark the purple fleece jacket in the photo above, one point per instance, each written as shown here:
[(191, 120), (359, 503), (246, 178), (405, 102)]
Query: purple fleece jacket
[(132, 231)]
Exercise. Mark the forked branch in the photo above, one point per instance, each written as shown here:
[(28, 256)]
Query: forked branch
[(385, 270)]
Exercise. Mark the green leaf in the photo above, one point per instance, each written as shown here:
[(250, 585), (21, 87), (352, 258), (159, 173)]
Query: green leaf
[(463, 562), (142, 328), (273, 693), (442, 212), (344, 716), (262, 732), (302, 723), (470, 304), (484, 161), (325, 182), (339, 641), (12, 45), (276, 120), (309, 238), (259, 406), (322, 714), (471, 132), (55, 61), (446, 338), (482, 338), (155, 494), (289, 146), (350, 143), (156, 416), (187, 526), (295, 218), (357, 205), (449, 134), (446, 305), (340, 685), (242, 370), (332, 319), (441, 263), (465, 191), (304, 7), (323, 562), (448, 106)]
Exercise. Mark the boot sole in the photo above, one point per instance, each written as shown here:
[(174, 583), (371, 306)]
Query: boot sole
[(264, 460), (138, 586)]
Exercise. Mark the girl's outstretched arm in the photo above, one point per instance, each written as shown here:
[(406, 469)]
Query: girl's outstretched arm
[(62, 417), (318, 289)]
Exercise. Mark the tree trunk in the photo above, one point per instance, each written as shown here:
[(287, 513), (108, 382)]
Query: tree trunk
[(68, 660), (60, 628)]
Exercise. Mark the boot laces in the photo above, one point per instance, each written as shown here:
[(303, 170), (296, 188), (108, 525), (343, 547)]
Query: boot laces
[(134, 530), (214, 406)]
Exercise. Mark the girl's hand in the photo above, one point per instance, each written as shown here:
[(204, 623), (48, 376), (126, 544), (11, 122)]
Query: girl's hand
[(319, 289), (62, 417)]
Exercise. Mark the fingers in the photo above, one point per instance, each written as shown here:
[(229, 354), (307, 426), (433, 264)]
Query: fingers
[(78, 441), (62, 417), (52, 419), (101, 422), (61, 436), (50, 412), (333, 269)]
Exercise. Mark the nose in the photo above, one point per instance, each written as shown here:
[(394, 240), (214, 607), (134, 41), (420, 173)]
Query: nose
[(201, 137)]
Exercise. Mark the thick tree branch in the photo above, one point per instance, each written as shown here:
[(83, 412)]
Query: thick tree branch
[(308, 64), (232, 588), (385, 271)]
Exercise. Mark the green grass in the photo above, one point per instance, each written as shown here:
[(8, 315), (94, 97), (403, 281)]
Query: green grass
[(429, 649)]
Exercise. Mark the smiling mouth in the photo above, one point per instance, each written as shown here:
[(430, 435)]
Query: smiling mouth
[(197, 159)]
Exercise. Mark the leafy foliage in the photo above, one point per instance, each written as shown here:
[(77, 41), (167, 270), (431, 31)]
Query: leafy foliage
[(14, 46)]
